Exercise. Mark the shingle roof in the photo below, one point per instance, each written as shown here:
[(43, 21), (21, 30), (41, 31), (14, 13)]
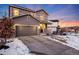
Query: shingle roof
[(26, 15), (27, 9), (54, 20), (22, 8), (42, 10), (32, 17)]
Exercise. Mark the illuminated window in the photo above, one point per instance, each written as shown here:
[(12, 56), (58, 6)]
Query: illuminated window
[(15, 12), (42, 17)]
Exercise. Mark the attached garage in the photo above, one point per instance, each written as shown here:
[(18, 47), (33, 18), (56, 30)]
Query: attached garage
[(26, 30), (26, 25)]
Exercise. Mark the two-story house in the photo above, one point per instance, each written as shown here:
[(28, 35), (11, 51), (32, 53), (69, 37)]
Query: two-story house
[(27, 21)]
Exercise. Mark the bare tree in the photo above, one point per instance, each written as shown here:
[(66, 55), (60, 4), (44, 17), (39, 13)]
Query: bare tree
[(6, 27)]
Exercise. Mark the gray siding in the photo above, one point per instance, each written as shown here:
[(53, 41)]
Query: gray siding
[(21, 12), (24, 12), (28, 26), (38, 14), (26, 20)]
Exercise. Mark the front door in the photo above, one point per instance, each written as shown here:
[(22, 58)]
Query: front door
[(42, 28)]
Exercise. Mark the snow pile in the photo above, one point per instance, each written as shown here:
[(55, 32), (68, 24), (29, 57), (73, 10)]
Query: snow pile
[(75, 34), (73, 41), (54, 39), (61, 38), (16, 48)]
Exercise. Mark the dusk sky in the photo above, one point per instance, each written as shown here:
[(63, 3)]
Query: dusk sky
[(68, 14)]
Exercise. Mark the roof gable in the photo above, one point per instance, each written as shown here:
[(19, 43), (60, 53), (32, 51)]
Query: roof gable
[(24, 16), (42, 10), (22, 8)]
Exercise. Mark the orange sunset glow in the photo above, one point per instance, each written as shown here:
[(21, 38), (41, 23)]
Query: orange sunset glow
[(68, 23)]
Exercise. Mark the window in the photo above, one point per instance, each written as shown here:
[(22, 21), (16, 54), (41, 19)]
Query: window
[(15, 12), (42, 17)]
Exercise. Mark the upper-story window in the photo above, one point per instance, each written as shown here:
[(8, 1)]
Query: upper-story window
[(41, 17), (16, 12), (27, 12)]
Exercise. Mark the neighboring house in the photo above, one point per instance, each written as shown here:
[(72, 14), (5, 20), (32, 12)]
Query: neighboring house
[(27, 21), (52, 26), (70, 29)]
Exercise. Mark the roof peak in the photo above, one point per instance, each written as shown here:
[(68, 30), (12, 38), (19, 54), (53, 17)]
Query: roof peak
[(20, 7), (42, 10)]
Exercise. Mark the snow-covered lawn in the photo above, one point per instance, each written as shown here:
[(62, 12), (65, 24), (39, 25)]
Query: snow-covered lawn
[(16, 48), (71, 40)]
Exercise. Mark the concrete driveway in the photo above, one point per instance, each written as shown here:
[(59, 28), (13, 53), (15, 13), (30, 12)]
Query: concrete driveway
[(43, 46)]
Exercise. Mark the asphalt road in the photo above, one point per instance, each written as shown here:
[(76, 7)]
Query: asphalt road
[(40, 45)]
